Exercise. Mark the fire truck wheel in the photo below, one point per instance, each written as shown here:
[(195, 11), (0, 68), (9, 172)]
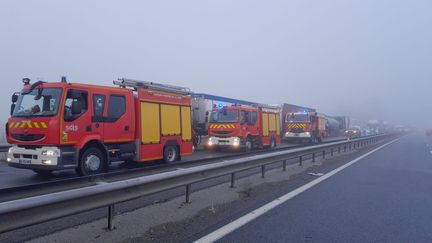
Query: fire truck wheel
[(170, 154), (248, 145), (272, 143), (44, 173), (91, 162)]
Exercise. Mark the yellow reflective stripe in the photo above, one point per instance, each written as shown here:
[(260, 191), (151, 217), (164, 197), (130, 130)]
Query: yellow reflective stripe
[(22, 125), (11, 124), (43, 124), (36, 124), (17, 125), (29, 124)]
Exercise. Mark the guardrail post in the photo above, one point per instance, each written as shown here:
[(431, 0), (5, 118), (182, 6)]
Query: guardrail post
[(339, 149), (349, 147), (232, 180), (262, 171), (284, 165), (331, 151), (301, 160), (111, 217), (323, 154), (188, 192), (313, 157), (344, 148)]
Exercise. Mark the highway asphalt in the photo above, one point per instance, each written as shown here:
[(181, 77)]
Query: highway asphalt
[(385, 197), (13, 177)]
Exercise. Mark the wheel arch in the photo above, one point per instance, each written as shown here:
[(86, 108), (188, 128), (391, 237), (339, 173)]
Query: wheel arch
[(96, 144), (173, 143)]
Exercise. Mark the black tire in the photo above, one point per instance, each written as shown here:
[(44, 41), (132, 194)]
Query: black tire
[(272, 143), (44, 173), (248, 145), (91, 162), (171, 154)]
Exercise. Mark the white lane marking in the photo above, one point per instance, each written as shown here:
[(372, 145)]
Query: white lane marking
[(234, 225)]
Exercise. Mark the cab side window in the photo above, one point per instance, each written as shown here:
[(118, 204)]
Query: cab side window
[(244, 117), (76, 104), (98, 105), (116, 107), (253, 118)]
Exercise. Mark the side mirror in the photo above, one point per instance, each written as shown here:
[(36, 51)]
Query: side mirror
[(12, 109), (14, 97)]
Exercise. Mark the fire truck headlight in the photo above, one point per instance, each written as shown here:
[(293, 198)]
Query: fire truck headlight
[(8, 159), (49, 153), (46, 162), (307, 133), (236, 142)]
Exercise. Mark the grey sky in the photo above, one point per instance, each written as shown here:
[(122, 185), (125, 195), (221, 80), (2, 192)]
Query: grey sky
[(369, 59)]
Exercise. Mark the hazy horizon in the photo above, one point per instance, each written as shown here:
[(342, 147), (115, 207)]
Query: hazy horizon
[(365, 59)]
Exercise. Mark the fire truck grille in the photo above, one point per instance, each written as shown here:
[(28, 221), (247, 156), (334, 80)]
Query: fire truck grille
[(222, 132), (28, 137), (297, 130)]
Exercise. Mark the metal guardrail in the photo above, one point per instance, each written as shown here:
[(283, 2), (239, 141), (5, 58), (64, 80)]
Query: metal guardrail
[(33, 210)]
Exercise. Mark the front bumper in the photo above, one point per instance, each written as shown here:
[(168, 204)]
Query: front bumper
[(226, 142), (297, 135), (44, 158)]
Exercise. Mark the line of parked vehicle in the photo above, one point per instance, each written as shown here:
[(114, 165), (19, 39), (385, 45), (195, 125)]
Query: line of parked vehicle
[(62, 125)]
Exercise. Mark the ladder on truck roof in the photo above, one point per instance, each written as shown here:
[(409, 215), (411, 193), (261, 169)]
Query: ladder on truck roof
[(136, 84), (234, 101)]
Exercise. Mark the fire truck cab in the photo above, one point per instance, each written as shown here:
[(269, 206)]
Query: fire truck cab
[(245, 127), (61, 125), (305, 126)]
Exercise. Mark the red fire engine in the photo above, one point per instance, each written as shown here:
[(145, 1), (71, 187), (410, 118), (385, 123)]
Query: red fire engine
[(300, 126), (57, 126), (244, 126)]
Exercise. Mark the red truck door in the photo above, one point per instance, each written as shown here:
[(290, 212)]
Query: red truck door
[(119, 122), (250, 124), (76, 121), (99, 106)]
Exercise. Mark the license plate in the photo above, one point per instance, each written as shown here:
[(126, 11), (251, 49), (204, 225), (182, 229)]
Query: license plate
[(24, 161)]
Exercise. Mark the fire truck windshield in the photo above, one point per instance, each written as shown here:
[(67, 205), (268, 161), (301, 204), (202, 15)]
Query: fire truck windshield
[(293, 117), (38, 103), (224, 115)]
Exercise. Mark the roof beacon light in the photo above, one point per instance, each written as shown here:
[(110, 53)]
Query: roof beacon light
[(26, 81)]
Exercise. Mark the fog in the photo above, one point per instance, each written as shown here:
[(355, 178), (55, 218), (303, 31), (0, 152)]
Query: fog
[(367, 59)]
